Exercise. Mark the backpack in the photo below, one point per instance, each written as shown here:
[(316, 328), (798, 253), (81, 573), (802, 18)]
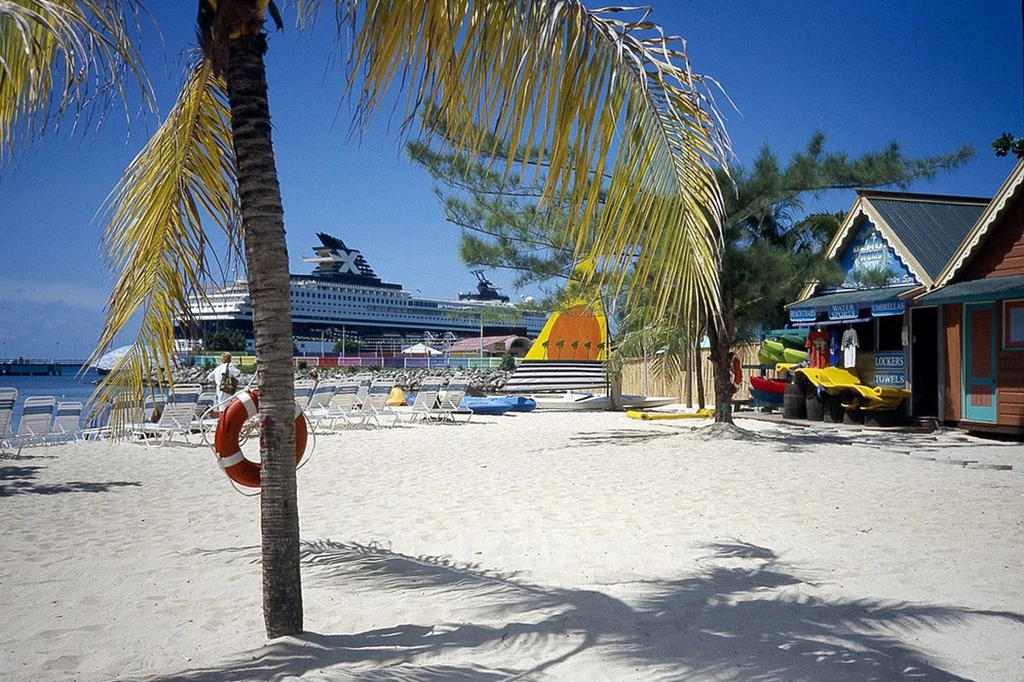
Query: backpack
[(228, 382)]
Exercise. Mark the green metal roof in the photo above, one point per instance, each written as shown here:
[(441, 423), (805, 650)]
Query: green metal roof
[(860, 296), (931, 230), (991, 289)]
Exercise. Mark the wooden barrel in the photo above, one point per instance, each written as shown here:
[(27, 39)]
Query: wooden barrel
[(793, 404), (833, 407), (815, 408), (853, 417)]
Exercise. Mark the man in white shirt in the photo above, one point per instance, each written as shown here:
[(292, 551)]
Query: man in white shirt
[(217, 376)]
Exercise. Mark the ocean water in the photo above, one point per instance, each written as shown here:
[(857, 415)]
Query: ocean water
[(68, 387)]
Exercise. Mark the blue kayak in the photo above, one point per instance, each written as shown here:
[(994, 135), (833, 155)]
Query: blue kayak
[(487, 405), (521, 404)]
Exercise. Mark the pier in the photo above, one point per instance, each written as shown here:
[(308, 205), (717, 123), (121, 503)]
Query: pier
[(34, 367)]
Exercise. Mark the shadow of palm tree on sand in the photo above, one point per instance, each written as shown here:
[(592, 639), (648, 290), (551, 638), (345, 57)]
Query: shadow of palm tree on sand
[(742, 617)]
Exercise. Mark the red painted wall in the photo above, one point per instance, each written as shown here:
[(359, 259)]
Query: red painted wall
[(1002, 251)]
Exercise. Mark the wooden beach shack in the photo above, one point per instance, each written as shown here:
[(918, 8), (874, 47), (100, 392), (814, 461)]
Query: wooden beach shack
[(891, 246), (980, 296)]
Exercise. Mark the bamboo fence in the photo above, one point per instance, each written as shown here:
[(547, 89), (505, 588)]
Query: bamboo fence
[(662, 380)]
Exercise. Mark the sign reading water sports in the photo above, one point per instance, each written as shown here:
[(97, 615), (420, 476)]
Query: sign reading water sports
[(884, 308), (803, 314), (843, 311)]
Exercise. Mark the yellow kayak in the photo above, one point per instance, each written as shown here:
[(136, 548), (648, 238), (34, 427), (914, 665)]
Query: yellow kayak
[(647, 416)]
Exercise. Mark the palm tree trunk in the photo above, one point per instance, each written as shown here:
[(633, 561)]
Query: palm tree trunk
[(698, 371), (267, 257), (720, 332)]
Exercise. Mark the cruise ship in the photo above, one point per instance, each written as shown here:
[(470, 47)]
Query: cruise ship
[(344, 298)]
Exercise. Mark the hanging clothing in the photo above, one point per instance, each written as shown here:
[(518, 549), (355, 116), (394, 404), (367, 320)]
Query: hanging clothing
[(817, 349), (833, 347), (850, 344)]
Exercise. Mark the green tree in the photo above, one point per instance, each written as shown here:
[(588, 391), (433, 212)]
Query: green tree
[(607, 93), (231, 340), (347, 346)]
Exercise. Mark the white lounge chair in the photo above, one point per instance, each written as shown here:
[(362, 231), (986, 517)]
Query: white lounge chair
[(343, 408), (303, 391), (66, 424), (36, 415), (321, 397), (375, 406), (450, 402), (98, 426), (176, 417), (424, 406), (8, 396)]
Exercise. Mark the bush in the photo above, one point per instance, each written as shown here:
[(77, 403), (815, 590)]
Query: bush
[(508, 363), (302, 365)]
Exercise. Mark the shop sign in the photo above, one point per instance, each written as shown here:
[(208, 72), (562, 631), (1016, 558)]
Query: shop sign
[(843, 311), (803, 314), (897, 379), (884, 308), (869, 260), (890, 362)]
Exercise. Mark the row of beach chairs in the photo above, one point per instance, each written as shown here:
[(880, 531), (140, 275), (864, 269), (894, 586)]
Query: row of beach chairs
[(44, 421), (360, 401), (187, 410)]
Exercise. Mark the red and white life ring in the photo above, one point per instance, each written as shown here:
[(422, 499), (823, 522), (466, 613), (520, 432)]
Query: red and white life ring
[(243, 407), (737, 373)]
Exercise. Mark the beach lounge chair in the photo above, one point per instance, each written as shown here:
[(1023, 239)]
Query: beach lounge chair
[(66, 425), (8, 396), (203, 418), (176, 417), (321, 397), (98, 425), (36, 415), (450, 403), (303, 391), (424, 406), (342, 409), (375, 406)]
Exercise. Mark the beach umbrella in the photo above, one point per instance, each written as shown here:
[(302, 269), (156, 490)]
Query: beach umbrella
[(420, 349), (109, 360)]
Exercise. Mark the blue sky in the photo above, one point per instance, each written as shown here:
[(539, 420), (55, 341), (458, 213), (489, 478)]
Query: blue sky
[(931, 74)]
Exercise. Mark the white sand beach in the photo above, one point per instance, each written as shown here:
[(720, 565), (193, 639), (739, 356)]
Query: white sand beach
[(534, 547)]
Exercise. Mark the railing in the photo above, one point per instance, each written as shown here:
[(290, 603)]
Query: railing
[(248, 362)]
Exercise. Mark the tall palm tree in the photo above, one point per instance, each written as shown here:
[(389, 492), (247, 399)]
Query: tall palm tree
[(609, 97)]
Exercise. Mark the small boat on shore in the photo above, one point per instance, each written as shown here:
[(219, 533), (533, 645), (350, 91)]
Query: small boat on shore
[(488, 406), (657, 416), (768, 385), (580, 401)]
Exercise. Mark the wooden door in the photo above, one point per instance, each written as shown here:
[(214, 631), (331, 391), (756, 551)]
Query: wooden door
[(980, 362)]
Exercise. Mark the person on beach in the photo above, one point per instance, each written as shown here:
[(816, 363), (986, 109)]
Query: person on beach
[(314, 377), (225, 377)]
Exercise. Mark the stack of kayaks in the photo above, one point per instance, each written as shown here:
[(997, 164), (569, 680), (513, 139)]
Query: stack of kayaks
[(767, 392), (786, 345)]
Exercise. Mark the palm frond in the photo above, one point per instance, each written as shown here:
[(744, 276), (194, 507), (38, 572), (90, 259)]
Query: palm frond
[(59, 55), (606, 92), (155, 238)]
